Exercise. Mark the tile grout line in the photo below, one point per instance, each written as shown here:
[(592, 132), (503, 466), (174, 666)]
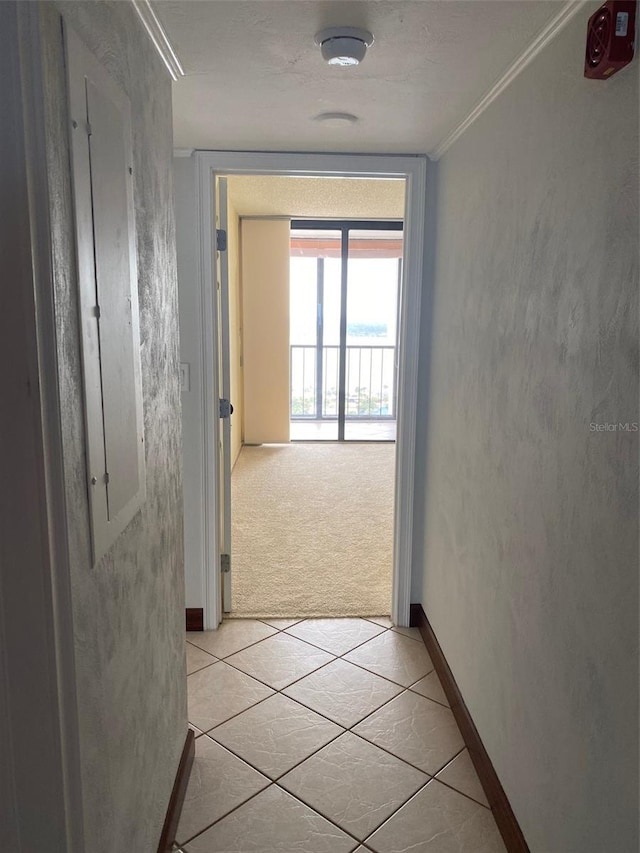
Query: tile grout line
[(291, 684), (297, 764), (397, 683), (346, 831), (306, 675), (335, 657), (348, 651), (404, 760), (287, 686), (342, 829), (200, 668), (285, 631), (241, 649), (358, 645), (270, 686), (344, 729), (320, 648), (273, 626), (230, 812), (419, 791), (457, 790), (430, 776), (196, 646), (210, 733), (238, 713), (261, 791), (462, 793), (235, 808), (274, 690)]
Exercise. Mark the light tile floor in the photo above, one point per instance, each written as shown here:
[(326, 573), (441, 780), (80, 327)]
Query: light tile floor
[(325, 736)]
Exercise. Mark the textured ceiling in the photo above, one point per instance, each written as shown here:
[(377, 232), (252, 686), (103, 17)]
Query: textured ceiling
[(339, 198), (255, 80)]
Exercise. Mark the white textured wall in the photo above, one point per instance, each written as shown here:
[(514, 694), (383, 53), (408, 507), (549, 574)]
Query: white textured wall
[(531, 522), (129, 608)]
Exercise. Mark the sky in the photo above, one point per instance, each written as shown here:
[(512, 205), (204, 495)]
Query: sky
[(372, 297)]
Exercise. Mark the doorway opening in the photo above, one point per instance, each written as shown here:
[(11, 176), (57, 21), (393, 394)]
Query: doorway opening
[(345, 286), (315, 310), (206, 486)]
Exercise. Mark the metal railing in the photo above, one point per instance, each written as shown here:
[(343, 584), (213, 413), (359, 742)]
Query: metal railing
[(370, 387)]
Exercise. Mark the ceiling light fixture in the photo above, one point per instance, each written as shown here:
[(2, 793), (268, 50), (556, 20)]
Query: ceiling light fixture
[(343, 45), (337, 119)]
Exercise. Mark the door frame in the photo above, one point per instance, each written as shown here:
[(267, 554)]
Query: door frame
[(413, 169)]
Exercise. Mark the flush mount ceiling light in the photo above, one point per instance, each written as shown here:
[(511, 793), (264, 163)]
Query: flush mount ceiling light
[(337, 119), (343, 45)]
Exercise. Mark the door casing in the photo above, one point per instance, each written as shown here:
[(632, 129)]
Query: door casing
[(413, 169)]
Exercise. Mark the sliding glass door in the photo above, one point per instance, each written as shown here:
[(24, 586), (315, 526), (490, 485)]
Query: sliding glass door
[(315, 292), (374, 269), (344, 296)]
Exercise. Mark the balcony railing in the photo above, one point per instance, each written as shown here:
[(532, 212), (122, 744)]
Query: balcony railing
[(370, 386)]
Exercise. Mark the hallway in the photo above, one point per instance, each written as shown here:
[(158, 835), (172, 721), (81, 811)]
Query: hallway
[(516, 541), (325, 736)]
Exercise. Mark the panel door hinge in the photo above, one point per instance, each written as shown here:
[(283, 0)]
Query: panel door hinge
[(106, 478), (226, 409), (221, 240), (225, 563), (96, 312)]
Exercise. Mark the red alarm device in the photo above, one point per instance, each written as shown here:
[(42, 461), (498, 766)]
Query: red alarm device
[(610, 39)]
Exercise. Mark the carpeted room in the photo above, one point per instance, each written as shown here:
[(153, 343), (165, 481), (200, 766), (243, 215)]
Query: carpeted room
[(313, 529)]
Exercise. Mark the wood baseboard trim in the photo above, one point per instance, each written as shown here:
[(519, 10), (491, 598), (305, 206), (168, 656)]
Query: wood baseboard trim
[(174, 809), (506, 820), (195, 619)]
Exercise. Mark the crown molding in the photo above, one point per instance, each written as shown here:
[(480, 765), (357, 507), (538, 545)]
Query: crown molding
[(159, 37), (547, 34)]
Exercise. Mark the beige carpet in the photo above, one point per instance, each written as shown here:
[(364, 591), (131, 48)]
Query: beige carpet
[(312, 530)]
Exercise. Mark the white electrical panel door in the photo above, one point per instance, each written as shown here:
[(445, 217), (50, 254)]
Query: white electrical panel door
[(116, 283), (100, 116)]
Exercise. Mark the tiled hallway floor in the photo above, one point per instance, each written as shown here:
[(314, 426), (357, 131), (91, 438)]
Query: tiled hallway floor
[(326, 736)]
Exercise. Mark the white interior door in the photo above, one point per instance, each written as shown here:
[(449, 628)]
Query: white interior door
[(224, 379)]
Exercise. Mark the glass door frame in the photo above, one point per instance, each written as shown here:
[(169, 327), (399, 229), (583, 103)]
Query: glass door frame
[(344, 226)]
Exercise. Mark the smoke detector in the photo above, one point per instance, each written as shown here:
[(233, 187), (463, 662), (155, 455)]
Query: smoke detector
[(343, 45)]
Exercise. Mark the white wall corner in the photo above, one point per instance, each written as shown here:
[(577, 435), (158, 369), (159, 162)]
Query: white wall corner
[(567, 11), (158, 36)]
